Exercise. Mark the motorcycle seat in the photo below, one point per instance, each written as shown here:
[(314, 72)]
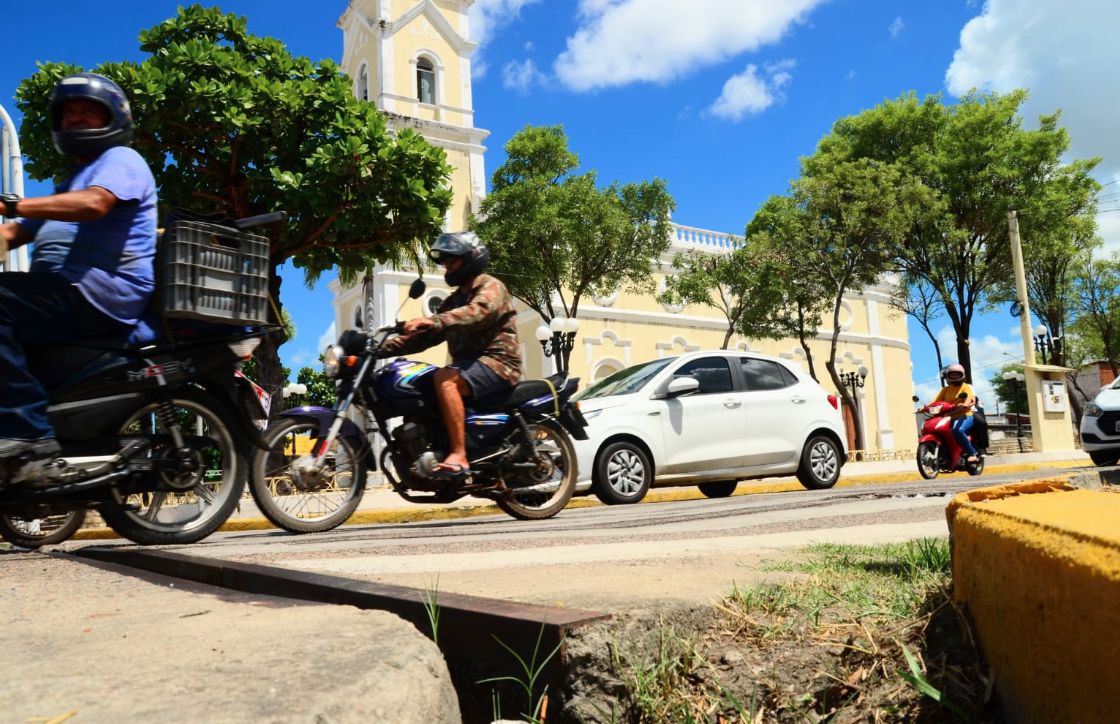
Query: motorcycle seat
[(519, 395)]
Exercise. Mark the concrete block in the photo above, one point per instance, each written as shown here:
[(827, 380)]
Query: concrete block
[(1038, 565)]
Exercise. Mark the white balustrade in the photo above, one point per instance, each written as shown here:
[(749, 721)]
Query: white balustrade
[(705, 239)]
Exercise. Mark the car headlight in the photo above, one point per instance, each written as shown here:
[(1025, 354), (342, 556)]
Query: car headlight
[(1093, 410), (331, 361)]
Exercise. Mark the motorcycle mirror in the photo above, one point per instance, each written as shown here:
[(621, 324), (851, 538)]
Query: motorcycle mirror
[(358, 318), (962, 396), (416, 289)]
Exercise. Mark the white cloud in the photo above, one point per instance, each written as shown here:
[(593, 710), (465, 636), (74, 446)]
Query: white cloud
[(519, 76), (626, 41), (327, 338), (748, 93), (896, 27), (486, 17), (1064, 53), (989, 354)]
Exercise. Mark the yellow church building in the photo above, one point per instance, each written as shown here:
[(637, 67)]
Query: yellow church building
[(412, 59)]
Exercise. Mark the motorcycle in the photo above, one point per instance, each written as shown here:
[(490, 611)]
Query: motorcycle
[(151, 434), (313, 475), (938, 449)]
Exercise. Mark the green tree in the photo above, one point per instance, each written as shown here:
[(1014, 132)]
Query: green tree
[(917, 299), (747, 286), (851, 217), (1097, 286), (320, 389), (979, 162), (1011, 392), (555, 237), (233, 123)]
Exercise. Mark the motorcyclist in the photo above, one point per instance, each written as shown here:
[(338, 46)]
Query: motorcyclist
[(92, 266), (960, 393), (479, 323)]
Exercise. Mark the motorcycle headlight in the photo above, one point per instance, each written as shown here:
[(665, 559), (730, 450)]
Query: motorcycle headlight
[(1093, 410), (331, 361), (244, 348)]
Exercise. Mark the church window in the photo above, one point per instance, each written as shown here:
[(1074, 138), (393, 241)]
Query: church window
[(363, 83), (425, 81)]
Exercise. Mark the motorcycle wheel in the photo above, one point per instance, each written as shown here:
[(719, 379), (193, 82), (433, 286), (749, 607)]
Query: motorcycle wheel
[(33, 532), (186, 507), (929, 460), (302, 507), (547, 496), (977, 467)]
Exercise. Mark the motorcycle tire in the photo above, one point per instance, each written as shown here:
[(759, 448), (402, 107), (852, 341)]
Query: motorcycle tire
[(532, 503), (296, 506), (975, 468), (29, 532), (198, 502), (929, 460)]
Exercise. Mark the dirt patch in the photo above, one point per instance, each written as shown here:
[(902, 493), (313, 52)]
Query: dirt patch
[(873, 640)]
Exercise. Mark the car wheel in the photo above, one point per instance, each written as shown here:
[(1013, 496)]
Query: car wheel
[(1105, 457), (719, 489), (820, 463), (623, 473)]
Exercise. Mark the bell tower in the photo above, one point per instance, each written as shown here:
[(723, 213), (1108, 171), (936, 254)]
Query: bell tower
[(412, 59)]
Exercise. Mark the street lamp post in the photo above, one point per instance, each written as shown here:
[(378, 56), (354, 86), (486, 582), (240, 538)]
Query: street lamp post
[(1019, 380), (558, 339), (854, 381), (1046, 345)]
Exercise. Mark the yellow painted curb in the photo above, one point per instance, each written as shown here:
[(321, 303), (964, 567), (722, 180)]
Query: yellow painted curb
[(1038, 565)]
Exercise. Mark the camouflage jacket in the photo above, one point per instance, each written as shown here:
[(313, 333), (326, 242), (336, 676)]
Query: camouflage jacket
[(479, 324)]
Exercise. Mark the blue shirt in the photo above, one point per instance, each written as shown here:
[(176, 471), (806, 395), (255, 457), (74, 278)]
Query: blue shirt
[(110, 260)]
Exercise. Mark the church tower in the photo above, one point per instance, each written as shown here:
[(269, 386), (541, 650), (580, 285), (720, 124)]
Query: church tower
[(412, 59)]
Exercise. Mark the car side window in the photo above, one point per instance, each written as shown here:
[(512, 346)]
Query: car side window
[(761, 374), (713, 374)]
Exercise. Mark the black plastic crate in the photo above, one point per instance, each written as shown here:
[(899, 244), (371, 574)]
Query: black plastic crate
[(214, 273)]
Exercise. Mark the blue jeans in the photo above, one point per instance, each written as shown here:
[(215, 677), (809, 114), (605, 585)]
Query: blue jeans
[(38, 309), (961, 426)]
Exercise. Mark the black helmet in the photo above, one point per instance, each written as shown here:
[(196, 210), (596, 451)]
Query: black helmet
[(462, 244), (90, 142)]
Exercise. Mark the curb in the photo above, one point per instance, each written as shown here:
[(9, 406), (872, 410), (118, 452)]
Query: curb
[(1038, 565), (419, 513)]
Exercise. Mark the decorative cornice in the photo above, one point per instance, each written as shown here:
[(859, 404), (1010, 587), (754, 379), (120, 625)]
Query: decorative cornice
[(428, 9)]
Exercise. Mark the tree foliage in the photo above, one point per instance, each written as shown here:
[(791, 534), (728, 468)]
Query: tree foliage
[(1011, 392), (231, 122), (979, 162), (555, 237), (748, 286), (1097, 288)]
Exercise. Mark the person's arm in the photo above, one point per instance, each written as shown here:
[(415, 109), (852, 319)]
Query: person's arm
[(12, 236), (416, 338), (86, 205), (481, 310)]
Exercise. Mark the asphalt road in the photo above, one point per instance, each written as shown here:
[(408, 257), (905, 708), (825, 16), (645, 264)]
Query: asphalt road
[(614, 558)]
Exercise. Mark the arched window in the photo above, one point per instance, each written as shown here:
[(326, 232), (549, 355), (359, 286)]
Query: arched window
[(425, 81), (363, 83)]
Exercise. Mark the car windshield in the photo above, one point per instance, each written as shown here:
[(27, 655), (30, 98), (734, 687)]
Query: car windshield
[(625, 382)]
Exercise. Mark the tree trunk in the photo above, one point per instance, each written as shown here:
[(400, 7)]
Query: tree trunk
[(727, 336)]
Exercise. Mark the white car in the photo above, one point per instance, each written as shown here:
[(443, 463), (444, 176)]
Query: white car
[(708, 419), (1100, 426)]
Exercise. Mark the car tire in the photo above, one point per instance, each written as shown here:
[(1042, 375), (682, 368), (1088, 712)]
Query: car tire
[(623, 473), (719, 488), (1105, 457), (820, 463)]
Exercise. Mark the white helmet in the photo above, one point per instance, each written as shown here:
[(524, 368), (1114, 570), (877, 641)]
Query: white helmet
[(954, 373)]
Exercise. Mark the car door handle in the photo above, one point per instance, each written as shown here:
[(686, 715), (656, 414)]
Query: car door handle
[(797, 400), (732, 404), (655, 413)]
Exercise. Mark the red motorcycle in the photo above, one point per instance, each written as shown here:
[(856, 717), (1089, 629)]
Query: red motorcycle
[(938, 450)]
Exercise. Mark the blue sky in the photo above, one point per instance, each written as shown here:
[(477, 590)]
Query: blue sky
[(718, 97)]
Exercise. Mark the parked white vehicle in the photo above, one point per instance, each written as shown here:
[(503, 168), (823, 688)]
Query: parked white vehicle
[(708, 419), (1100, 426)]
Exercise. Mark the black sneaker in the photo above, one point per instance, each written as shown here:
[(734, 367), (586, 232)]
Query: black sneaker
[(30, 449)]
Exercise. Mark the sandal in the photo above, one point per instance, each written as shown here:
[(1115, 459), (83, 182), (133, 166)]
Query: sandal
[(458, 471)]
